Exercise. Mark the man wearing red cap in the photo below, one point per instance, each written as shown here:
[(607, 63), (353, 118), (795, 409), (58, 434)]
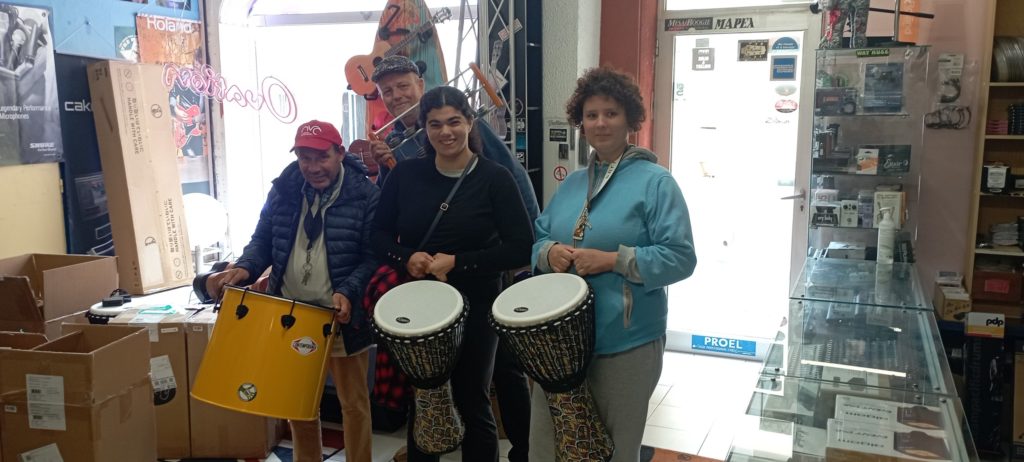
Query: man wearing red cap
[(314, 235)]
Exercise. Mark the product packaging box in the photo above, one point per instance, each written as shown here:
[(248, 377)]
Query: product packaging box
[(217, 432), (889, 199), (846, 250), (984, 399), (996, 286), (17, 341), (168, 371), (949, 278), (951, 303), (85, 396), (38, 292), (858, 441), (140, 171)]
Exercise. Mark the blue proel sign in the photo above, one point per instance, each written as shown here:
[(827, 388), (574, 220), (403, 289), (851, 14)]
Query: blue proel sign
[(724, 345)]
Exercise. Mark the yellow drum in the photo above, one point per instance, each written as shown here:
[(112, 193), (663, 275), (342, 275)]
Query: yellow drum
[(267, 356)]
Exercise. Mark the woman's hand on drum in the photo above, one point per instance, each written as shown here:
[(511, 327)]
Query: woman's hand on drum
[(419, 264), (560, 257), (593, 261), (442, 264), (343, 308), (216, 282)]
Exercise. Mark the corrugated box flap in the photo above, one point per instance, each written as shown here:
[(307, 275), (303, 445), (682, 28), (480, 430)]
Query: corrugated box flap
[(18, 305), (97, 362)]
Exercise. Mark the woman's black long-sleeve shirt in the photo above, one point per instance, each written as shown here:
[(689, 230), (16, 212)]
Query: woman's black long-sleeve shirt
[(486, 226)]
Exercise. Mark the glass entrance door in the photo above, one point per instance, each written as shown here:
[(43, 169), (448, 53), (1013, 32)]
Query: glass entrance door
[(735, 129)]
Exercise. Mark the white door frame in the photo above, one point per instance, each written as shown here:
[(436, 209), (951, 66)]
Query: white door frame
[(781, 18)]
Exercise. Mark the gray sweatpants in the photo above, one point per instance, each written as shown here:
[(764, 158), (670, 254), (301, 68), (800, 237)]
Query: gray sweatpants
[(622, 385)]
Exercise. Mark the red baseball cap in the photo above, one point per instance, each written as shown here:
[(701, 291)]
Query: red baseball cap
[(317, 135)]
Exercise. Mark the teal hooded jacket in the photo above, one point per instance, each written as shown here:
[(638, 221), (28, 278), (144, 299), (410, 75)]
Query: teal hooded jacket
[(641, 214)]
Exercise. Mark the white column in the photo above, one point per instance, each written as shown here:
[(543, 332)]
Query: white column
[(571, 44)]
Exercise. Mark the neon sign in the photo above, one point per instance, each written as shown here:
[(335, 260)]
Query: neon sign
[(204, 80)]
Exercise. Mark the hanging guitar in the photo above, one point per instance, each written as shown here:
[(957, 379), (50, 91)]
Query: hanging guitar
[(359, 68)]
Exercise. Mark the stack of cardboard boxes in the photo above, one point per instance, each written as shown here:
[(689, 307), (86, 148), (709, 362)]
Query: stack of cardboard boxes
[(186, 427), (85, 396), (119, 392)]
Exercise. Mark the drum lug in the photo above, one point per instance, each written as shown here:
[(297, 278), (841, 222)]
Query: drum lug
[(241, 311), (328, 328), (287, 321)]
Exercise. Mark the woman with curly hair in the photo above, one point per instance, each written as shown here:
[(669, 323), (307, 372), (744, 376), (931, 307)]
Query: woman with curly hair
[(623, 226)]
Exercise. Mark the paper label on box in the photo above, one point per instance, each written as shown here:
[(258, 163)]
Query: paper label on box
[(10, 408), (151, 320), (168, 330), (45, 402), (48, 453), (162, 374), (997, 286)]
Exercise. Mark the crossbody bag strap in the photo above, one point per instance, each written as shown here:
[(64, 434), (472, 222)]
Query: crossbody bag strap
[(444, 205)]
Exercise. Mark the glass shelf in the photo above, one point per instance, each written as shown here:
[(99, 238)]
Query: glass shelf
[(872, 345), (899, 115), (814, 226), (859, 282), (819, 172), (867, 117), (789, 419)]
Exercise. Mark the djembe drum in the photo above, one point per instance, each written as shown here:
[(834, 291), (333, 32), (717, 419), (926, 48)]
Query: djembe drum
[(421, 323), (547, 322)]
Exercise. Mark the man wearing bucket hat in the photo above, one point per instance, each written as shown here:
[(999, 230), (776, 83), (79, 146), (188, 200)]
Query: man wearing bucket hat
[(314, 235)]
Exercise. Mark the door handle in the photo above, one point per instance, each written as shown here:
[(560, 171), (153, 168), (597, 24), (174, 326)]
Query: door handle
[(801, 195)]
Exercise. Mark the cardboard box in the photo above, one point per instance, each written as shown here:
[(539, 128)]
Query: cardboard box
[(951, 303), (218, 432), (856, 441), (17, 341), (140, 171), (86, 396), (168, 373), (39, 288), (996, 286)]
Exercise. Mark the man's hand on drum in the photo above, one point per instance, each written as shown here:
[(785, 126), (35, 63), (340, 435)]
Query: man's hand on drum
[(343, 308), (560, 257), (216, 282), (593, 261), (419, 264), (381, 152), (442, 264)]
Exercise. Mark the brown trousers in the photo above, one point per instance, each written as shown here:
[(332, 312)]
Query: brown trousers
[(349, 375)]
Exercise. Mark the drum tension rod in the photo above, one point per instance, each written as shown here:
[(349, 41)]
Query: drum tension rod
[(241, 310), (288, 320)]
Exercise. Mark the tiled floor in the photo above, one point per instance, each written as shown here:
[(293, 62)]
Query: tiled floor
[(691, 411)]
